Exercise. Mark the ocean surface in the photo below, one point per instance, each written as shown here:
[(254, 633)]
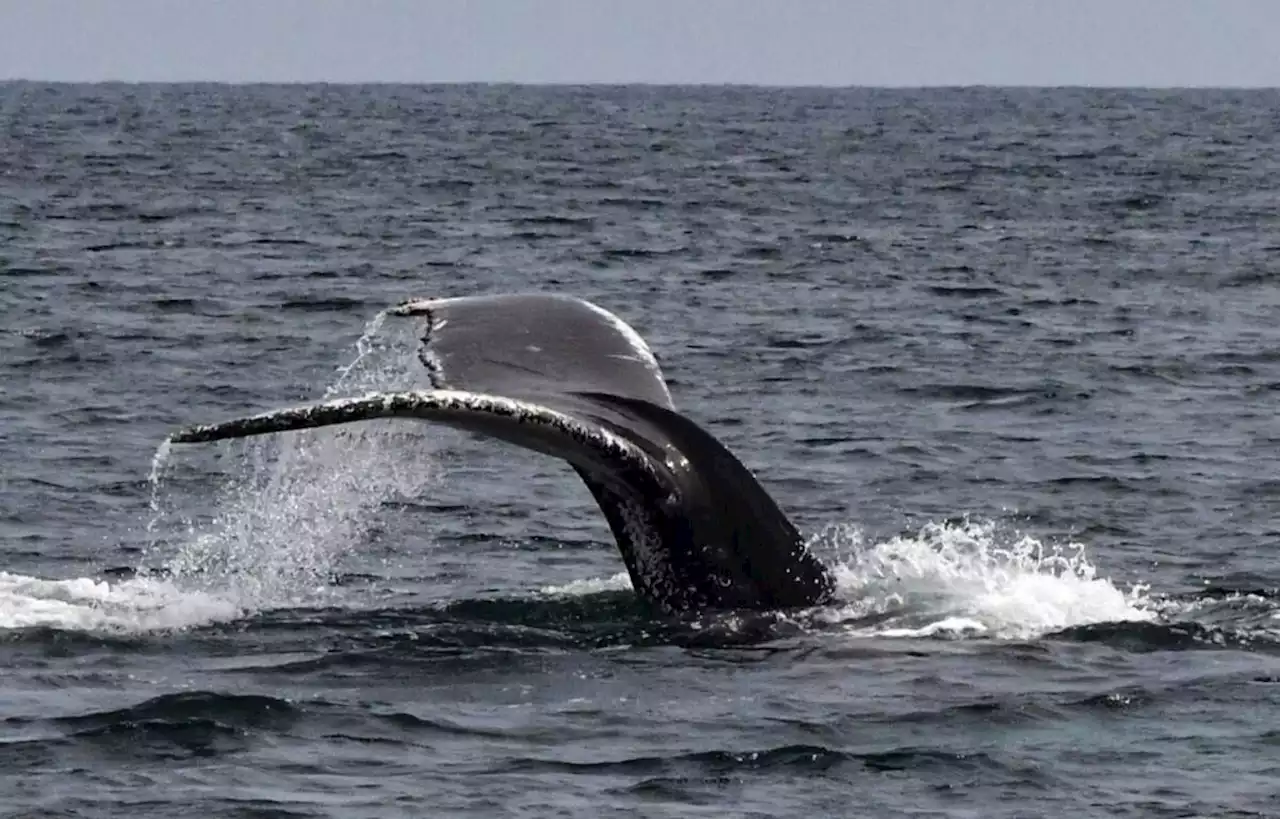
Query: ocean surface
[(1010, 359)]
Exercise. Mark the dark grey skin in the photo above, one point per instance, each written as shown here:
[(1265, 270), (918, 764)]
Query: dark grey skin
[(561, 376)]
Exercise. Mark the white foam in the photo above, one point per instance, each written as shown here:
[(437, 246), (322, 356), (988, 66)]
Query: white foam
[(969, 579), (946, 627), (577, 588), (127, 607)]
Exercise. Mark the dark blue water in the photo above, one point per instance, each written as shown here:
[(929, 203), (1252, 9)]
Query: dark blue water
[(1010, 358)]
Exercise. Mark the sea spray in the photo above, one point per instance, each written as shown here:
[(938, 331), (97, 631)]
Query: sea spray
[(353, 372), (155, 480), (158, 463), (292, 506)]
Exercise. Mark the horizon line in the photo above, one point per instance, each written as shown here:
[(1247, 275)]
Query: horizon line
[(659, 84)]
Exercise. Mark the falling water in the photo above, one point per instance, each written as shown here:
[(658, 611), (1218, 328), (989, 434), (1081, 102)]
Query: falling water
[(291, 505)]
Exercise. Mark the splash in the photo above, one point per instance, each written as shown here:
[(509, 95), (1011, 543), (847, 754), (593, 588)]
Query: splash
[(294, 504), (970, 579), (953, 580), (154, 480), (279, 522), (369, 367)]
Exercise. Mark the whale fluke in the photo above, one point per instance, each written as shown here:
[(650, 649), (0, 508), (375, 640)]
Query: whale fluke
[(566, 378)]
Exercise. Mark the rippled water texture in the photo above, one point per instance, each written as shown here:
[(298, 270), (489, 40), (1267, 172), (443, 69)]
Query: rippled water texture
[(1009, 358)]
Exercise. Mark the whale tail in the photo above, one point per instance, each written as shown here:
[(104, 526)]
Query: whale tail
[(566, 378)]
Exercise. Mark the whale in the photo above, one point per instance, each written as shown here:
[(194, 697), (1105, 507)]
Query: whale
[(562, 376)]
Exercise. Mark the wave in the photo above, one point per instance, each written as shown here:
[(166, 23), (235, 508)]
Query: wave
[(792, 758), (210, 714), (232, 710), (170, 727)]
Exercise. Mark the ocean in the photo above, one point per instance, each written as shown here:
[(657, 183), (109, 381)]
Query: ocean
[(1010, 358)]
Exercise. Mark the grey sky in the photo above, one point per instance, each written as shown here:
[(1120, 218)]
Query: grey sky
[(781, 42)]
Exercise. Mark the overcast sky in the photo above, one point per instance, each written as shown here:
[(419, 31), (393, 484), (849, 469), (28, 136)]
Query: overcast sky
[(771, 42)]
